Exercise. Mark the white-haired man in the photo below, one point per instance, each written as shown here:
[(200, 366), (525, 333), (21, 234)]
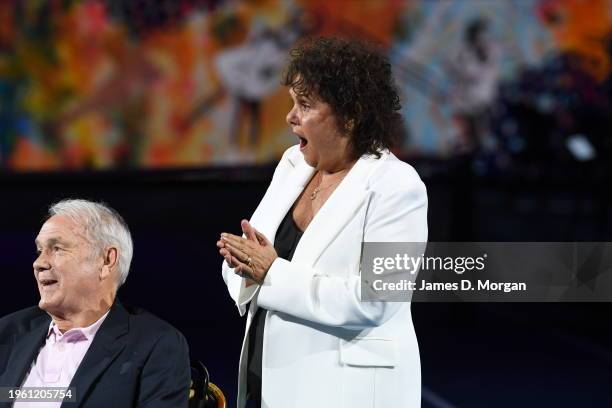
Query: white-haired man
[(80, 336)]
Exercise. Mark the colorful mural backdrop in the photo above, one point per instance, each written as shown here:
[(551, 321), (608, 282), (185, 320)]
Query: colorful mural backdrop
[(98, 84)]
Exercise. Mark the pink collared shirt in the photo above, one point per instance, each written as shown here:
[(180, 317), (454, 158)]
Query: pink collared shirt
[(58, 360)]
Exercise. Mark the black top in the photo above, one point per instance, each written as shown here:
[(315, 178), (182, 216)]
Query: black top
[(287, 237)]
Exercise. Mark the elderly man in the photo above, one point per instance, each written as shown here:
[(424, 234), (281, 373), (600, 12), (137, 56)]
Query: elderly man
[(80, 336)]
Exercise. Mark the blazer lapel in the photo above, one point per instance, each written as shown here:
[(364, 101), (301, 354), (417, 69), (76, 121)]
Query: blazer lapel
[(25, 349), (104, 349), (283, 196), (339, 208)]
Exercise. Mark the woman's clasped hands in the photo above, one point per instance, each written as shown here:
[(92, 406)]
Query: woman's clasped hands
[(251, 256)]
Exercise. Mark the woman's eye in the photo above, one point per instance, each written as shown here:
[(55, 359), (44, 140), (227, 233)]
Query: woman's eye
[(57, 248)]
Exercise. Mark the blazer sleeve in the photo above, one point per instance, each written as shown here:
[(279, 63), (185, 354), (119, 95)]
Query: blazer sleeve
[(165, 377), (236, 285), (304, 292)]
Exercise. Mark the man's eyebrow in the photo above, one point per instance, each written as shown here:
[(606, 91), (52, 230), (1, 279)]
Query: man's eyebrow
[(51, 241)]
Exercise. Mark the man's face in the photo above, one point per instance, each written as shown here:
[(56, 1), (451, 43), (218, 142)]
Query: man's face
[(67, 268)]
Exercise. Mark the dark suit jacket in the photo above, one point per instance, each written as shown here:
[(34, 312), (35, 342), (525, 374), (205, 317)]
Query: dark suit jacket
[(135, 359)]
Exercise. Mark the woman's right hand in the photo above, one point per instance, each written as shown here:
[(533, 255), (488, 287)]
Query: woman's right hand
[(250, 257)]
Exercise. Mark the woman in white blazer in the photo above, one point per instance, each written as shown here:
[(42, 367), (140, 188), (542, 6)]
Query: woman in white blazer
[(313, 342)]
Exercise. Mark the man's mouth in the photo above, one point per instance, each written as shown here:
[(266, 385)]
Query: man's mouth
[(45, 283)]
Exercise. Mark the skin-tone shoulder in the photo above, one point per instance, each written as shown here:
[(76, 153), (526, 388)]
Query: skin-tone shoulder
[(77, 282)]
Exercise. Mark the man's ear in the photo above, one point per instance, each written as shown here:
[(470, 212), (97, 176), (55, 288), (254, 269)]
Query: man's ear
[(110, 259)]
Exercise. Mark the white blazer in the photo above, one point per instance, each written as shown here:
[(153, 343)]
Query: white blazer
[(322, 346)]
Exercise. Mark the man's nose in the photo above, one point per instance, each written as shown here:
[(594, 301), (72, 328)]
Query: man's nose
[(41, 263)]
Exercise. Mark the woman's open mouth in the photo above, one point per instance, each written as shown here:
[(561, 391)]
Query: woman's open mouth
[(303, 142)]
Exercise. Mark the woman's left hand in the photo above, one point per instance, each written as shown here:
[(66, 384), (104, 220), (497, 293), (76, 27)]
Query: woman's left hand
[(251, 257)]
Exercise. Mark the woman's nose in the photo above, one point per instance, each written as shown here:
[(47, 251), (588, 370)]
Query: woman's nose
[(291, 117)]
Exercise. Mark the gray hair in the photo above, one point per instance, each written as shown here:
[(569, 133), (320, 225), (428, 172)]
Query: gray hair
[(104, 227)]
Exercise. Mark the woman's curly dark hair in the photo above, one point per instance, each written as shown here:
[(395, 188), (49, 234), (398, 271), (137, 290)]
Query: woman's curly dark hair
[(356, 80)]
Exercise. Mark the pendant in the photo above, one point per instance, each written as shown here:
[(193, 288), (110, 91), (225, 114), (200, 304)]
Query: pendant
[(313, 195)]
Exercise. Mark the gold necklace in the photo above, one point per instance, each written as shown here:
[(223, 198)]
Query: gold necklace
[(318, 188)]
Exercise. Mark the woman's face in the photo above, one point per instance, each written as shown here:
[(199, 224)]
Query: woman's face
[(322, 143)]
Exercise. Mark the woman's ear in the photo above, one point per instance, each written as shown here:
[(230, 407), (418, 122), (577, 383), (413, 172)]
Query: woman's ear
[(349, 125)]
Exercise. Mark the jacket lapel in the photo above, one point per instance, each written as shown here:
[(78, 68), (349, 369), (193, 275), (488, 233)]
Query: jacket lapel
[(104, 349), (283, 196), (339, 208), (25, 349)]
